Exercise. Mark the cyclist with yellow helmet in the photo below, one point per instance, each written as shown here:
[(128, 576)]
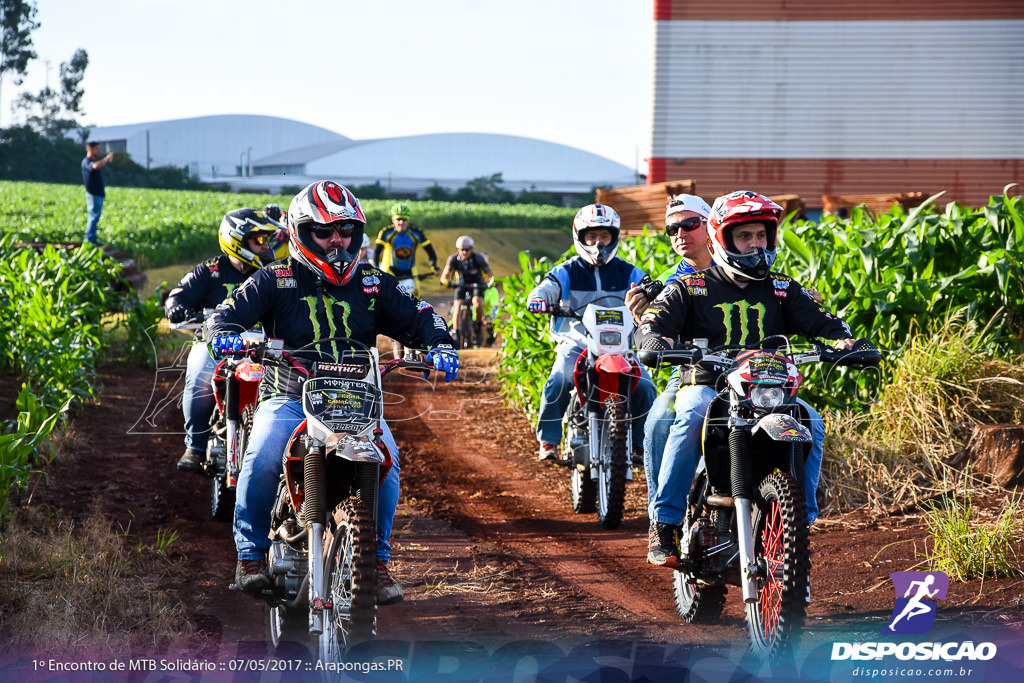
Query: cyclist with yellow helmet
[(395, 250)]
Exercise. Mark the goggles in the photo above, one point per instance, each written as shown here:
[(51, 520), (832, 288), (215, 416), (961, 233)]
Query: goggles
[(324, 231)]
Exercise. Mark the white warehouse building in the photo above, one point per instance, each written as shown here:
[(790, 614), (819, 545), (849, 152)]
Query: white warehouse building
[(266, 154)]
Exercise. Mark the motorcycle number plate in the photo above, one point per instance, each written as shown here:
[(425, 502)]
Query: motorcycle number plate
[(342, 405)]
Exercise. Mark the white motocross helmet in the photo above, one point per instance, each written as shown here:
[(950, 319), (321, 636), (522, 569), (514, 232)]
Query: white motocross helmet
[(596, 216)]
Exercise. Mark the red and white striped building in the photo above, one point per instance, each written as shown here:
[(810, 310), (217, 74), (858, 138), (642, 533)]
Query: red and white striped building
[(814, 97)]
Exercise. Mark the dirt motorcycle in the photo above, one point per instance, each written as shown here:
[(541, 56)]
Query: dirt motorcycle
[(746, 522), (599, 444), (323, 552), (235, 386)]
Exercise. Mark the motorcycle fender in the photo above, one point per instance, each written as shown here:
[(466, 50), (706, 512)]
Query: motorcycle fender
[(614, 363), (782, 427)]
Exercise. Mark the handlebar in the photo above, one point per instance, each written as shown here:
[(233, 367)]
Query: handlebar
[(863, 354), (274, 350)]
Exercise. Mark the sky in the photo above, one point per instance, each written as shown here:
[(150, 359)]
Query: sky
[(574, 72)]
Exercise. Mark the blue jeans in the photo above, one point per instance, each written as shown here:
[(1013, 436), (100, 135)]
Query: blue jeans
[(554, 400), (198, 401), (672, 447), (95, 205), (273, 424)]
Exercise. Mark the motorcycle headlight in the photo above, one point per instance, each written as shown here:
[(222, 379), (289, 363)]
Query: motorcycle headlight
[(767, 397), (611, 338)]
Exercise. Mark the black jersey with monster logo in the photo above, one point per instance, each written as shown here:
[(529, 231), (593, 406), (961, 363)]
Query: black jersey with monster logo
[(710, 305), (296, 306), (206, 285)]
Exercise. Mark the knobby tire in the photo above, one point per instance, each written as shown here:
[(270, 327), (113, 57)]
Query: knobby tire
[(781, 543), (350, 574), (611, 478)]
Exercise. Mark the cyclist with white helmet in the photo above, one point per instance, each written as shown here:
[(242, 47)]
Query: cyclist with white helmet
[(739, 300), (596, 274), (244, 237), (474, 277), (319, 292)]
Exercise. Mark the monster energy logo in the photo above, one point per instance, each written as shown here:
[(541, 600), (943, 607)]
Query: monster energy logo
[(749, 315), (332, 330)]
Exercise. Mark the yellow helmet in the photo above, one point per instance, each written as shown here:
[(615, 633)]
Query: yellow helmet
[(240, 224)]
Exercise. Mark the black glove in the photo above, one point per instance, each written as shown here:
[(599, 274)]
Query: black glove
[(177, 314)]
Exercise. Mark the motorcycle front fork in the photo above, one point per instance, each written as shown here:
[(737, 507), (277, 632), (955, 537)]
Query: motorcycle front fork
[(597, 454)]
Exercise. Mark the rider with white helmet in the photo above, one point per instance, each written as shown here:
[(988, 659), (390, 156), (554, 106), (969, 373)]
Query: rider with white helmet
[(595, 275)]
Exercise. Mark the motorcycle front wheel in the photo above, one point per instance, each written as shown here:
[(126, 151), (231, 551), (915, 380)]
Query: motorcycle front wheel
[(350, 576), (782, 554), (612, 464)]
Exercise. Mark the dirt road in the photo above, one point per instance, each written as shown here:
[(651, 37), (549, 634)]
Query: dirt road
[(496, 566)]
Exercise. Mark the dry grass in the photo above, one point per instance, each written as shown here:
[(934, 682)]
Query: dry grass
[(895, 455), (84, 589)]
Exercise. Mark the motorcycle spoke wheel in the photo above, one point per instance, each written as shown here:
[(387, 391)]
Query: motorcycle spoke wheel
[(222, 500), (350, 577), (612, 465), (697, 603), (287, 631), (584, 491), (782, 553)]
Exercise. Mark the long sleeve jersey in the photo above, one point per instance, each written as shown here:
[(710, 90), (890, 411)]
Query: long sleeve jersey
[(206, 285), (296, 306), (580, 283), (710, 305)]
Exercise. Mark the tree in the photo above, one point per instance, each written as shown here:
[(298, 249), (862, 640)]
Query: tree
[(484, 189), (17, 21), (54, 114)]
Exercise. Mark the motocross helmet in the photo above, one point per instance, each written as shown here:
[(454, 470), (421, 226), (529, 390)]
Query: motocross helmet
[(588, 218), (274, 212), (401, 211), (464, 242), (319, 204), (241, 224), (735, 208)]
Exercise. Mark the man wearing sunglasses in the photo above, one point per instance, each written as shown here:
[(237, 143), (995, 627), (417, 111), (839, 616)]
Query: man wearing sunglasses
[(320, 291), (738, 300), (244, 238)]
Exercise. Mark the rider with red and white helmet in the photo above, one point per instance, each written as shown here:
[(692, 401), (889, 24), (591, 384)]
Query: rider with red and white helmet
[(319, 291), (595, 275), (738, 300)]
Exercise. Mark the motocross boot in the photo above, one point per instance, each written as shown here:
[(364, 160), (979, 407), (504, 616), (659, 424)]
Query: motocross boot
[(389, 591), (251, 575), (662, 550), (192, 461)]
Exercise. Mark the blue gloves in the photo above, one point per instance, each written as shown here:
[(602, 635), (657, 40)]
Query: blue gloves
[(538, 306), (225, 344), (446, 359)]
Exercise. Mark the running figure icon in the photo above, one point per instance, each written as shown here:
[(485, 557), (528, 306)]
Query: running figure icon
[(918, 591)]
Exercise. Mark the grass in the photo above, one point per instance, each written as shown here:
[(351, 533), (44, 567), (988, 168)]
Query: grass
[(84, 589), (969, 542), (945, 383)]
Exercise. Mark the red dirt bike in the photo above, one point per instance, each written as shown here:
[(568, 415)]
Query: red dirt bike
[(597, 424), (323, 553), (235, 386), (746, 522)]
